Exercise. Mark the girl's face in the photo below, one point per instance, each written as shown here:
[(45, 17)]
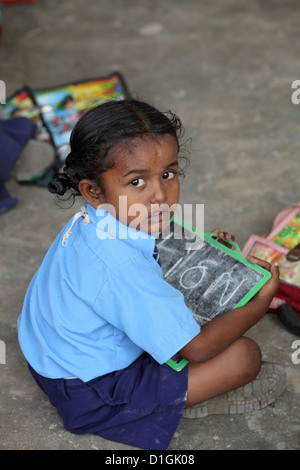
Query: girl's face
[(143, 185)]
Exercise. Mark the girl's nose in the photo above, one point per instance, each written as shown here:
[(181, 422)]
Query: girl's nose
[(159, 193)]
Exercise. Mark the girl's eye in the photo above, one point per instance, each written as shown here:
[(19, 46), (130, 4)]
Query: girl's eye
[(137, 182), (168, 175)]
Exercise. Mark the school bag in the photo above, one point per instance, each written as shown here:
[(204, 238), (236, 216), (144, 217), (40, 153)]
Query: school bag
[(282, 244)]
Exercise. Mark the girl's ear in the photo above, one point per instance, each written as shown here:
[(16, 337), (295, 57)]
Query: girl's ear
[(91, 192)]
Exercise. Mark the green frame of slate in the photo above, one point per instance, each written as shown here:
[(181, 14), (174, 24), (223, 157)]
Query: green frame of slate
[(236, 253)]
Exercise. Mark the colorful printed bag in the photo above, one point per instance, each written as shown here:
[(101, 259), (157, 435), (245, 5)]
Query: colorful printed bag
[(282, 244)]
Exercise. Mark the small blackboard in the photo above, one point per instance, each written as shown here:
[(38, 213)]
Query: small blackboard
[(212, 277)]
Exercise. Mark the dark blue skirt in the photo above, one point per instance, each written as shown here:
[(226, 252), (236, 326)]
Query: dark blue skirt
[(140, 405)]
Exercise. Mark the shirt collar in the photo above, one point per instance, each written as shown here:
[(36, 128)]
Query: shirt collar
[(108, 226)]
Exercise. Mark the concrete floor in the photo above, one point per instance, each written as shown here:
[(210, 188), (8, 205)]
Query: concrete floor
[(226, 67)]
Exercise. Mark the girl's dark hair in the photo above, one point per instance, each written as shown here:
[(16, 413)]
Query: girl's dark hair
[(98, 130)]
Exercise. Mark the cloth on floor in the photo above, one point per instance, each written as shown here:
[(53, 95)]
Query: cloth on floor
[(14, 134)]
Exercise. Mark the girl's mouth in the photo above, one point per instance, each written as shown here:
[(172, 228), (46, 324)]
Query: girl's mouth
[(159, 215)]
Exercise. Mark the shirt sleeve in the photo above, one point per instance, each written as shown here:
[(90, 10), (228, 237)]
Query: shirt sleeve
[(152, 313)]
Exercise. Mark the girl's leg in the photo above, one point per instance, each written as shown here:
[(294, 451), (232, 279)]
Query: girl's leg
[(237, 365)]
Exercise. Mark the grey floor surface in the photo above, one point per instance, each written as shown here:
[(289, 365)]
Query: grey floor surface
[(226, 67)]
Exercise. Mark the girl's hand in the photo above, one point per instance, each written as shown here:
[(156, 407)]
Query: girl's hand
[(224, 237), (268, 291)]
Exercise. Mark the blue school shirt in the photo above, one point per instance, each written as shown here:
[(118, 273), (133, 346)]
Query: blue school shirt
[(99, 300)]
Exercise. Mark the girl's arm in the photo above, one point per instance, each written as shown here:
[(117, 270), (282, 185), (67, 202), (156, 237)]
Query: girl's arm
[(218, 334)]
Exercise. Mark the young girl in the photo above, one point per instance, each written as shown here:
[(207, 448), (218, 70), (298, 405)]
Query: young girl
[(99, 321)]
